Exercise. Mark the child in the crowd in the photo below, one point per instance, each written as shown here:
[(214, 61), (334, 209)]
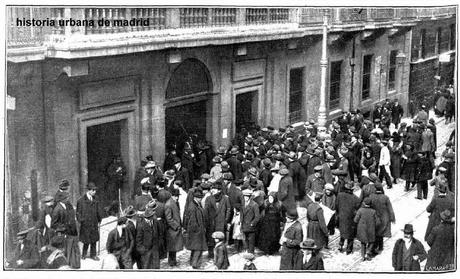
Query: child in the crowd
[(220, 251), (249, 265)]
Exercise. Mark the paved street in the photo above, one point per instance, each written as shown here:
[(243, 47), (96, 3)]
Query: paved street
[(407, 210)]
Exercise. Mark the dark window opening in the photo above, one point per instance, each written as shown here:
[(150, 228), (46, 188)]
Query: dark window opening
[(392, 71), (366, 86), (295, 95), (334, 87)]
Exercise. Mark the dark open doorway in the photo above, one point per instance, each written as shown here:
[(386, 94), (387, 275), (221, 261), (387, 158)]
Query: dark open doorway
[(104, 143), (246, 110), (185, 121)]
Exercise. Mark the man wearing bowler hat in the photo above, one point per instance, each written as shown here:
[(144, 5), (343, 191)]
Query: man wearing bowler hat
[(408, 252), (148, 238), (89, 216)]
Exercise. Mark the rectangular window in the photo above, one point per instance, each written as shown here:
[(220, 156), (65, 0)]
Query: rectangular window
[(295, 94), (366, 85), (452, 36), (392, 70), (334, 87), (422, 43), (438, 40)]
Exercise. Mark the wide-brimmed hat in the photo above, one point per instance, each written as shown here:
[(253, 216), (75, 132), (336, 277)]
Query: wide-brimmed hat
[(446, 215), (408, 228), (218, 235), (309, 244)]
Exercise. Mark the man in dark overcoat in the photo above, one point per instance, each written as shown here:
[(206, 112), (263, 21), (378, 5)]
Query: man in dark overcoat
[(194, 229), (286, 193), (291, 237), (182, 174), (147, 239), (346, 206), (299, 177), (250, 217), (317, 227), (64, 215), (408, 252), (223, 208), (437, 205), (120, 243), (366, 220), (441, 240), (89, 216), (174, 240), (131, 226), (382, 206), (235, 165)]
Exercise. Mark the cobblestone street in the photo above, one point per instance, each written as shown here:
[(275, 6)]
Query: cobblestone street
[(407, 210)]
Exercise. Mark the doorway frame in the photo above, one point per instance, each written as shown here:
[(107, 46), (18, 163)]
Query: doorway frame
[(258, 98), (89, 119)]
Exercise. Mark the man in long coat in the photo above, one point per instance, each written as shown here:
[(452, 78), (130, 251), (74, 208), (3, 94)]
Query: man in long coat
[(64, 215), (194, 229), (366, 220), (223, 209), (298, 175), (291, 237), (441, 255), (120, 243), (317, 227), (286, 194), (174, 240), (89, 216), (382, 206), (250, 217), (408, 252), (437, 205), (235, 165), (147, 239), (346, 206)]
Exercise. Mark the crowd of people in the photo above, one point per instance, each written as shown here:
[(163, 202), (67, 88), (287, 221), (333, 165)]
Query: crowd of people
[(246, 195)]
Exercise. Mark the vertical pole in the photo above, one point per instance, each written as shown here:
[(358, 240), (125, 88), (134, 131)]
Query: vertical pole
[(352, 65), (322, 118)]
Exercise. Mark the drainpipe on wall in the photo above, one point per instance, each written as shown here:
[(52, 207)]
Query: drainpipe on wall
[(322, 117), (352, 65)]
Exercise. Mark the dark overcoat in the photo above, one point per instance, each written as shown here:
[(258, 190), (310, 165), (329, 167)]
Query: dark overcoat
[(221, 256), (409, 167), (382, 205), (441, 256), (250, 217), (89, 216), (121, 247), (424, 169), (316, 228), (269, 228), (416, 248), (194, 224), (147, 243), (366, 219), (314, 263), (299, 178), (174, 239), (235, 196), (286, 194), (437, 205), (223, 213), (346, 205), (66, 217), (291, 255)]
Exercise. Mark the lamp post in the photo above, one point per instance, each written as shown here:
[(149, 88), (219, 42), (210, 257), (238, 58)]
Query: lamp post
[(322, 117)]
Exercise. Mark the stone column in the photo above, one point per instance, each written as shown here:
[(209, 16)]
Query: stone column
[(322, 116)]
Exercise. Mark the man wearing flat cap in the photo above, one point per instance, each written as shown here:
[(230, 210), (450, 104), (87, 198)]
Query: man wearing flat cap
[(89, 216), (195, 229), (408, 252), (26, 254)]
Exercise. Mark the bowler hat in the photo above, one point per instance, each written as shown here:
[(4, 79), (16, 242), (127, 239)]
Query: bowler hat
[(309, 244), (198, 193), (218, 235), (408, 228), (292, 213), (91, 186), (446, 215), (64, 185)]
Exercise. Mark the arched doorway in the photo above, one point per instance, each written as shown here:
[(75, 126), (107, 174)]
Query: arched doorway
[(187, 104)]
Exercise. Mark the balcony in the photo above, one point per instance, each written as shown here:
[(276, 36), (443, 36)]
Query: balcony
[(183, 27)]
